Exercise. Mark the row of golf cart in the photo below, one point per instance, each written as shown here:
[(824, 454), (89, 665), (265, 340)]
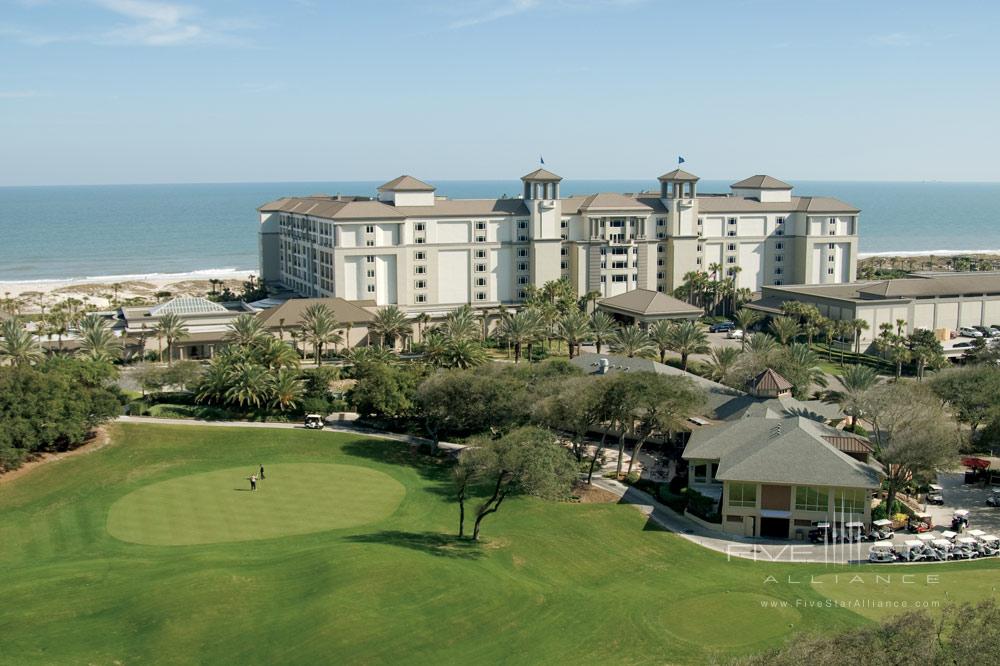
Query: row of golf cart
[(933, 547), (823, 532)]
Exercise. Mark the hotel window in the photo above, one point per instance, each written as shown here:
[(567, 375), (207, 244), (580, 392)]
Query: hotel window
[(660, 222), (480, 282), (700, 222), (522, 279), (369, 243), (419, 256), (522, 224), (371, 273), (778, 258), (604, 251), (564, 265), (730, 260), (743, 494), (833, 232), (419, 270), (731, 232), (604, 279), (420, 240), (564, 224), (849, 500), (732, 221), (522, 252), (780, 220), (731, 247), (480, 239), (660, 234), (660, 262), (617, 224), (419, 226), (563, 251), (480, 295), (777, 271), (777, 282), (808, 498), (779, 232), (480, 254), (635, 250), (831, 246), (659, 276), (829, 271), (480, 268), (420, 284), (522, 265), (522, 294), (619, 278), (660, 248), (779, 246), (831, 258), (480, 226), (698, 261), (370, 259), (371, 289), (521, 238), (421, 298), (369, 229)]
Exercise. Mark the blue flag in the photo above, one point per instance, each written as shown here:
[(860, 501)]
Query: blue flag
[(541, 159), (680, 160)]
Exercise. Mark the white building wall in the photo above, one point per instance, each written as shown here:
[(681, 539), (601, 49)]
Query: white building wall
[(385, 279), (354, 278), (453, 271), (750, 259)]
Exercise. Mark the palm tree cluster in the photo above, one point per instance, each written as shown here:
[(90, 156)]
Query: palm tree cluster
[(254, 371), (457, 342), (715, 290), (17, 345)]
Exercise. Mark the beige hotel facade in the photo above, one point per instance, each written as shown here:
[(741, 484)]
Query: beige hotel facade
[(425, 253)]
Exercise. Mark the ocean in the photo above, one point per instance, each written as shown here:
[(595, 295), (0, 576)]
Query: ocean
[(121, 231)]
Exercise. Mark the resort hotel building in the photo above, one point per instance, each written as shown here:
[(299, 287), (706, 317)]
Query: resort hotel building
[(424, 252)]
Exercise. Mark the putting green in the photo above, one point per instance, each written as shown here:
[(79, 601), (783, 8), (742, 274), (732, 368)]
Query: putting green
[(730, 620), (218, 506)]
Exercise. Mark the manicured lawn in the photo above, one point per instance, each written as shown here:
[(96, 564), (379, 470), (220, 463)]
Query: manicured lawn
[(146, 552)]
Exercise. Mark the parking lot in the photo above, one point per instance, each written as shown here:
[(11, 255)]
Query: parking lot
[(958, 495)]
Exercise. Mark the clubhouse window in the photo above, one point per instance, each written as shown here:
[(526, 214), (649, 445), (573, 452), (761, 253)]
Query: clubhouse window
[(850, 500), (808, 498), (743, 495)]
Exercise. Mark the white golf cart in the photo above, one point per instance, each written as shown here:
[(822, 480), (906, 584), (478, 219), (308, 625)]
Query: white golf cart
[(314, 422), (949, 535), (911, 550), (934, 494), (989, 545), (881, 530), (966, 548), (960, 520), (882, 552), (852, 532), (944, 549)]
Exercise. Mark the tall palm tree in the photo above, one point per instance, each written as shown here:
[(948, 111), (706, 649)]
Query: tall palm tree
[(454, 353), (422, 320), (602, 328), (390, 323), (632, 341), (97, 341), (785, 329), (857, 326), (319, 327), (17, 345), (286, 389), (857, 380), (574, 328), (274, 353), (249, 384), (245, 330), (721, 361), (844, 329), (688, 338), (807, 363), (760, 349), (745, 319), (172, 329), (522, 329), (661, 333), (460, 324)]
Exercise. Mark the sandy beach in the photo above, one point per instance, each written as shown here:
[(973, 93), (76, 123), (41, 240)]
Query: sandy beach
[(102, 291)]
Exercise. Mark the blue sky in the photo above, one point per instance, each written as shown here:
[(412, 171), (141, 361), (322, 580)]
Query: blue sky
[(121, 91)]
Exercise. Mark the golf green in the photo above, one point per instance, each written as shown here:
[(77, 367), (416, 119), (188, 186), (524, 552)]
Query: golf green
[(218, 506)]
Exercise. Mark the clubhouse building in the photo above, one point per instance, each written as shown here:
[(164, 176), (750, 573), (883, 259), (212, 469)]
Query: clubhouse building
[(426, 253)]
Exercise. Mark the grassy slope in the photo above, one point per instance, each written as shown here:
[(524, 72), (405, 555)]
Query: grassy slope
[(555, 582)]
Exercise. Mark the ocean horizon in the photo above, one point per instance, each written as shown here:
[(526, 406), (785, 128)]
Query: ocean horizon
[(130, 232)]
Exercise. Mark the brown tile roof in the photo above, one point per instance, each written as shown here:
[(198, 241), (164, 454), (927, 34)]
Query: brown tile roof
[(543, 175), (406, 184), (761, 182), (646, 302), (333, 209), (849, 443), (769, 380), (291, 311), (731, 204), (612, 201), (679, 174)]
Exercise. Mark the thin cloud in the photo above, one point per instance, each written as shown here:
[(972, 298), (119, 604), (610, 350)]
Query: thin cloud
[(895, 39), (508, 8), (17, 94), (493, 10)]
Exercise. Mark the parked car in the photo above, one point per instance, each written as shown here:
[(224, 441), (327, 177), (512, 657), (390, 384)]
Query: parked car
[(735, 334), (961, 345), (968, 332), (722, 327), (983, 329)]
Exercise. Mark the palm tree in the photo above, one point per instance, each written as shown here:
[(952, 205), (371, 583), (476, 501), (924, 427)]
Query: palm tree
[(760, 349), (98, 342), (422, 320), (454, 353), (857, 326), (245, 330), (286, 388), (688, 338), (390, 323), (602, 328), (17, 345), (521, 328), (807, 363), (785, 329), (460, 324), (275, 353), (172, 329), (745, 319), (249, 384), (632, 341), (721, 361), (856, 379), (661, 333), (574, 328), (844, 329), (319, 327)]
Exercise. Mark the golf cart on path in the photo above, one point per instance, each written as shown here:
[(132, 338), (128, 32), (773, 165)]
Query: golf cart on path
[(852, 533), (881, 530), (919, 523), (989, 545), (911, 551), (882, 552), (821, 533), (966, 548), (960, 520), (314, 422), (934, 494)]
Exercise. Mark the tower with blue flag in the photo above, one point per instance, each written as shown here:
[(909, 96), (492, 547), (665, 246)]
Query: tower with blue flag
[(680, 160)]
